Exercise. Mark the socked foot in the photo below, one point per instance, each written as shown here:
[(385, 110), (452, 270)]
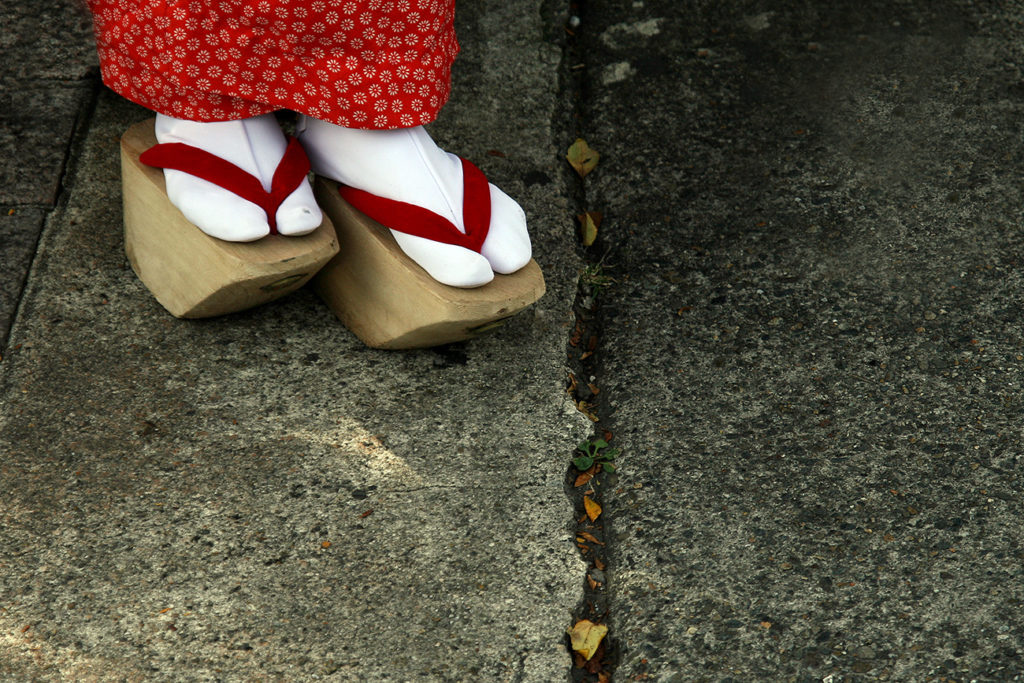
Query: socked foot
[(256, 146), (405, 165)]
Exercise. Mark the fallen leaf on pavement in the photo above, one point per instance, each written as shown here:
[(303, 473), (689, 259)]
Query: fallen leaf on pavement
[(590, 537), (581, 157), (583, 479), (596, 662), (592, 508), (589, 223), (583, 406), (577, 334), (586, 637)]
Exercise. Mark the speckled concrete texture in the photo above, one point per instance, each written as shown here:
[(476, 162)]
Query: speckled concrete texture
[(31, 121), (48, 76), (46, 41), (811, 358), (815, 347), (259, 496), (19, 230)]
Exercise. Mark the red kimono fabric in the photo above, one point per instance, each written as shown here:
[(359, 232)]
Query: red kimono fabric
[(360, 64)]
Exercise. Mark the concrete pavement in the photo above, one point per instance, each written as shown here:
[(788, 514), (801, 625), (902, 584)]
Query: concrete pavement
[(813, 355), (809, 352), (260, 496)]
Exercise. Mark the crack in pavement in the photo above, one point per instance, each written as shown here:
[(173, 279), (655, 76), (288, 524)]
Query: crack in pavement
[(584, 353)]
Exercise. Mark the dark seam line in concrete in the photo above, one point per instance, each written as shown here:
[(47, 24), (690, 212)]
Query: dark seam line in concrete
[(72, 147), (80, 130), (583, 351)]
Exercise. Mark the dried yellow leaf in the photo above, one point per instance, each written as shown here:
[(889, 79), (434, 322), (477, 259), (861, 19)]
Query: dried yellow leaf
[(592, 508), (581, 157), (583, 406), (589, 223), (586, 637)]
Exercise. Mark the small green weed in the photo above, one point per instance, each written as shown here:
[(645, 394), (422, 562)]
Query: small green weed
[(595, 451), (595, 279)]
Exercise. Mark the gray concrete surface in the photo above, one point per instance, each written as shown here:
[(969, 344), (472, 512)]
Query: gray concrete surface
[(814, 351), (19, 231), (261, 497), (47, 82), (811, 356), (46, 42)]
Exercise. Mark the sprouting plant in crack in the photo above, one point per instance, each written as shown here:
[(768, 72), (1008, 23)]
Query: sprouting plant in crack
[(595, 276), (595, 279), (595, 452)]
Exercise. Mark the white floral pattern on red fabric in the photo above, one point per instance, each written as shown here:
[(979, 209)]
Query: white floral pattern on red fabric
[(361, 64)]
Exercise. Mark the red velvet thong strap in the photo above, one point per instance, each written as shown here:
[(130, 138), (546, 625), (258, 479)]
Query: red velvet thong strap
[(415, 220), (290, 173)]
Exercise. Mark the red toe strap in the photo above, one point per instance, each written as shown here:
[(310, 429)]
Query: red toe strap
[(415, 220), (290, 173)]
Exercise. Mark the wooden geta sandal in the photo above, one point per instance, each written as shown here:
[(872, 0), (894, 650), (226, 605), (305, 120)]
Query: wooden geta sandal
[(192, 274), (390, 302)]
